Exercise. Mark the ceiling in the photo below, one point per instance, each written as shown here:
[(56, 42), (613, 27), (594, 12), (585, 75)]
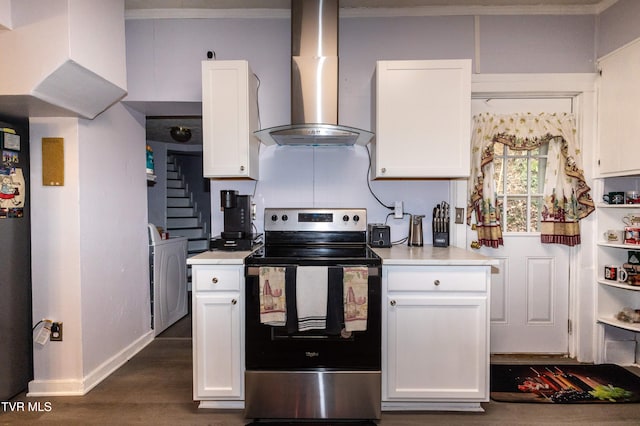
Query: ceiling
[(158, 127), (285, 4)]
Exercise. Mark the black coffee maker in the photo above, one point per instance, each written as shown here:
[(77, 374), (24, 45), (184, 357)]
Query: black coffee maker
[(237, 233)]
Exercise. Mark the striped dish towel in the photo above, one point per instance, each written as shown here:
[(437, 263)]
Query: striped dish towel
[(311, 297), (356, 286), (273, 301)]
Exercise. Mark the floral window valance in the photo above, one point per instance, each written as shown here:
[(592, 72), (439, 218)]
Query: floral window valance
[(566, 194)]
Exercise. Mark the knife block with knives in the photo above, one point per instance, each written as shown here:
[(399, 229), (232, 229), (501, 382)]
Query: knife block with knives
[(440, 225)]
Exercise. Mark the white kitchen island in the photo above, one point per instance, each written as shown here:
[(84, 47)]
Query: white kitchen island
[(435, 328)]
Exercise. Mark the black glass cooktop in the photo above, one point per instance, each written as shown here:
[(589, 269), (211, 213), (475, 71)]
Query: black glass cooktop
[(328, 255)]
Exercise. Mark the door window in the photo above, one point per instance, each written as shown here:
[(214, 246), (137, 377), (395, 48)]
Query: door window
[(519, 177)]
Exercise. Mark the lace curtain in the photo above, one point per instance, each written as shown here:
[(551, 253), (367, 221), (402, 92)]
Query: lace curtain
[(566, 197)]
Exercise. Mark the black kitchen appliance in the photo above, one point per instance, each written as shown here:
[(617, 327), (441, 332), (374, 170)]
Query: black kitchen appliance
[(328, 373), (379, 235), (237, 233)]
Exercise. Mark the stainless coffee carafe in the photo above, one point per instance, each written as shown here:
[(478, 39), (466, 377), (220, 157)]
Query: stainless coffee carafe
[(415, 230)]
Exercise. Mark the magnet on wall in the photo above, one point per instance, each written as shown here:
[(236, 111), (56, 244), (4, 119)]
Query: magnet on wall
[(52, 161)]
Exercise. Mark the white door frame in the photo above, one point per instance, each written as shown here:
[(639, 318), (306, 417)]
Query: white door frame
[(582, 89)]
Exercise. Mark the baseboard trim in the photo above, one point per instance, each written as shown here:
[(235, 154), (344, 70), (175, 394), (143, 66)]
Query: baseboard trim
[(91, 380), (432, 406), (226, 405)]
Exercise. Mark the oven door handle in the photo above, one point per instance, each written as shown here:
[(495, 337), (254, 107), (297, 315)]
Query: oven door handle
[(254, 271)]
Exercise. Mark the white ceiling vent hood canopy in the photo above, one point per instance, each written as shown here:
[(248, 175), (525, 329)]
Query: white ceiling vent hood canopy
[(314, 81)]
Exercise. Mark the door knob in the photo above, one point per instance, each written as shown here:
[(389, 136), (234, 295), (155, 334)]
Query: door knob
[(392, 303), (475, 244), (234, 301), (214, 280)]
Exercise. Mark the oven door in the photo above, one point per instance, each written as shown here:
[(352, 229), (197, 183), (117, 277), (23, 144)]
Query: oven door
[(285, 348)]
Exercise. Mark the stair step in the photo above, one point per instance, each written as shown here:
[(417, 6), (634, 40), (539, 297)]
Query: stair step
[(172, 175), (182, 222), (178, 202), (174, 212), (189, 232), (174, 183), (177, 192), (198, 245), (171, 167)]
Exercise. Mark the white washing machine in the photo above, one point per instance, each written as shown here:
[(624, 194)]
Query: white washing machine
[(168, 270)]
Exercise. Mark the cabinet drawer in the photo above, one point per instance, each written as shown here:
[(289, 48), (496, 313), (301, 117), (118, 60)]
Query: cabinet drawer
[(217, 278), (443, 278)]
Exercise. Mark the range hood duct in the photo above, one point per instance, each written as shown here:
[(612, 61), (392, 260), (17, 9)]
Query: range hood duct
[(314, 81)]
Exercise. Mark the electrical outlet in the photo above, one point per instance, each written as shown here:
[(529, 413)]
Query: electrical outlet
[(459, 215), (398, 212), (56, 332)]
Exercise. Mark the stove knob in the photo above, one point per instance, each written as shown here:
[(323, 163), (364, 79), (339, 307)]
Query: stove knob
[(345, 218), (356, 218), (285, 217), (274, 218)]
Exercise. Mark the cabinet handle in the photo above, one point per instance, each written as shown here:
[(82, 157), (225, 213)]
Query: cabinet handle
[(383, 170), (392, 303), (242, 168), (214, 280), (234, 302), (436, 282)]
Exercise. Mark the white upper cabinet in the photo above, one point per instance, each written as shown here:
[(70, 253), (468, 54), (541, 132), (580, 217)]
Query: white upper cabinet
[(619, 112), (229, 118), (422, 119)]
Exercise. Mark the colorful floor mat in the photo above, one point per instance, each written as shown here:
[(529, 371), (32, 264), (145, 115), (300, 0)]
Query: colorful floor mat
[(562, 383)]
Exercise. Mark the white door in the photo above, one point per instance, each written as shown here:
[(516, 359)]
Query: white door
[(530, 293)]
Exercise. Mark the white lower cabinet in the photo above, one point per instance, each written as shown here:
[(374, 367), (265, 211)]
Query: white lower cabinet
[(435, 337), (218, 336)]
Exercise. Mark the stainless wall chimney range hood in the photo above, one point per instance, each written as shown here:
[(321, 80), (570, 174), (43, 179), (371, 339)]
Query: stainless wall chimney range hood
[(314, 81)]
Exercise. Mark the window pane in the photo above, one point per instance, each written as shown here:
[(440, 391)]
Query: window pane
[(516, 214), (534, 215), (517, 176)]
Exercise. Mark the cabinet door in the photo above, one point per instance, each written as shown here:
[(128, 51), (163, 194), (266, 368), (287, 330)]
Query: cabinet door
[(229, 118), (423, 119), (218, 353), (437, 348), (619, 111)]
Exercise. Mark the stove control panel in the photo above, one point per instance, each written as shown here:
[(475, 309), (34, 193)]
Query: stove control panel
[(315, 219)]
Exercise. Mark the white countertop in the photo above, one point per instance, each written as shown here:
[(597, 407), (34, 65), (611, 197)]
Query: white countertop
[(429, 255), (219, 257), (396, 255)]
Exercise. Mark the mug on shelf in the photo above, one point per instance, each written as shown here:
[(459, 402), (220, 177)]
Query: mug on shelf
[(614, 197), (631, 235), (614, 236), (631, 219), (632, 197), (615, 273)]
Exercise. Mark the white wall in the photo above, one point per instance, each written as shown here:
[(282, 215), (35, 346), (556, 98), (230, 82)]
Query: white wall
[(5, 14), (113, 234), (329, 177), (56, 256), (96, 38), (90, 249)]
